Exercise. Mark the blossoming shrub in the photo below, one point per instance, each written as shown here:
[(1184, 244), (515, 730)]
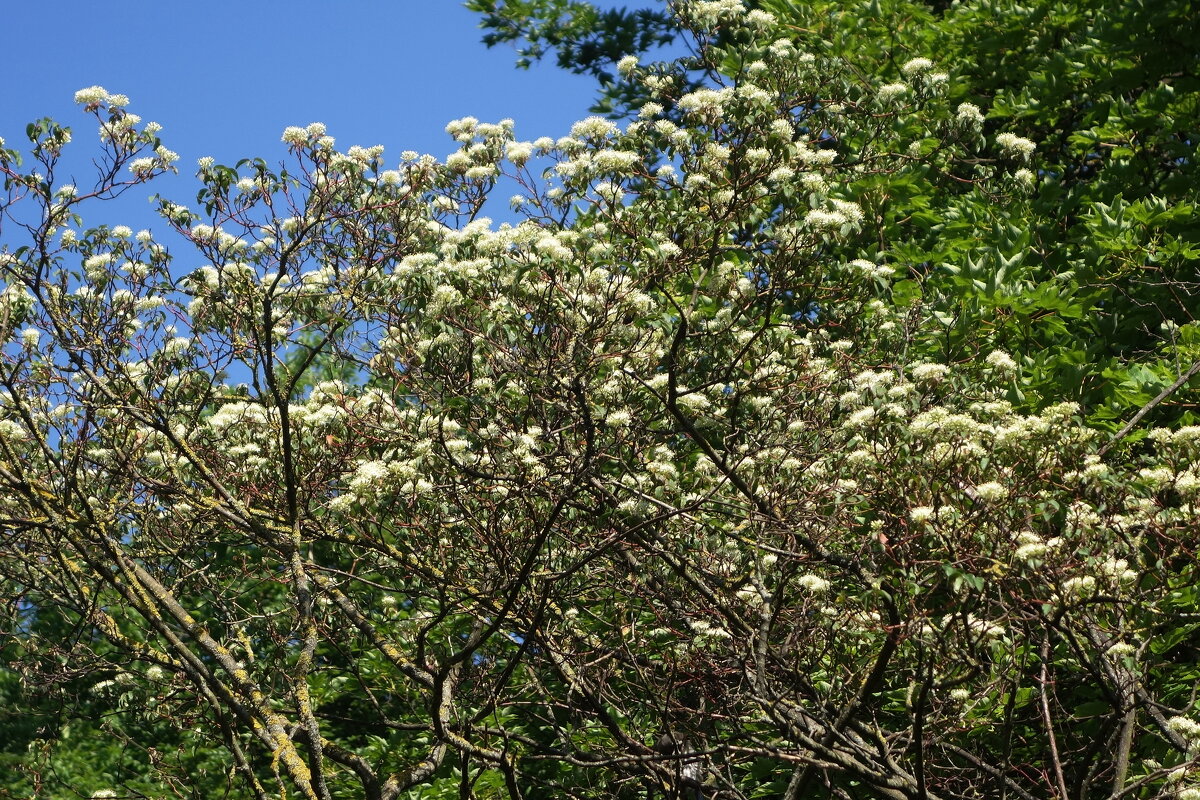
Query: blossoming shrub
[(377, 497)]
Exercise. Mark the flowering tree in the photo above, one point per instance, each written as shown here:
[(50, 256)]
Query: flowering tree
[(1088, 269), (647, 492)]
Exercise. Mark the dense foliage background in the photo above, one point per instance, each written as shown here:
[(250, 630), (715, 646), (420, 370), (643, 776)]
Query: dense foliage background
[(824, 428)]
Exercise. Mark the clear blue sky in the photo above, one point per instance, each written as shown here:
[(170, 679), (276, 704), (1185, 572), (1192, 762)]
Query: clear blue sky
[(224, 78)]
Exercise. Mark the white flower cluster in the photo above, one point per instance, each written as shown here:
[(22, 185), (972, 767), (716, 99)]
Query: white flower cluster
[(842, 215), (705, 101), (916, 66), (1031, 546), (1014, 146), (969, 117), (921, 514), (991, 492), (314, 133), (1082, 586), (709, 13), (707, 634), (1186, 727), (92, 96), (1001, 361), (984, 627), (891, 92), (594, 129), (930, 373), (920, 70), (1094, 470), (163, 159), (12, 431), (813, 583)]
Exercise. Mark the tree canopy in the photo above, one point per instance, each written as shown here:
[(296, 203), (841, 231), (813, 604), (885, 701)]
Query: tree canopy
[(821, 425), (1091, 273)]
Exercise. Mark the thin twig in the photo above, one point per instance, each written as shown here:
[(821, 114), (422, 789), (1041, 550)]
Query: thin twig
[(1146, 409), (1055, 761)]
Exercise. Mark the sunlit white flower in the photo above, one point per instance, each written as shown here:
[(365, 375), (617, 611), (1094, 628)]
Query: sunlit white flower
[(921, 514), (991, 492), (703, 101), (969, 116), (916, 66), (11, 431), (91, 96), (1001, 361), (1080, 586), (891, 92), (930, 373), (820, 218), (294, 135), (1031, 546), (1185, 727), (593, 128), (813, 583), (1015, 146), (480, 172), (1024, 178)]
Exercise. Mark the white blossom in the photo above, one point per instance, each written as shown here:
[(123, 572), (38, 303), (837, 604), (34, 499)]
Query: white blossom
[(891, 92), (813, 583), (921, 514), (1015, 146), (969, 116), (1001, 361), (991, 492), (916, 66), (91, 96)]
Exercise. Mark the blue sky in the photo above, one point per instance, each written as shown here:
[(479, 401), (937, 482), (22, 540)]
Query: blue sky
[(224, 78)]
